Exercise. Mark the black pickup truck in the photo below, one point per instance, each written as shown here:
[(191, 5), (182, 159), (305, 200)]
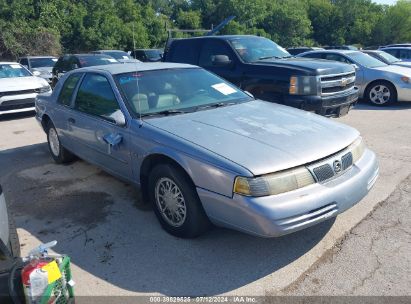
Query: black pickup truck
[(269, 72)]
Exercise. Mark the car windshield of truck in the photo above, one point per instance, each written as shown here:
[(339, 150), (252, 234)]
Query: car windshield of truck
[(365, 60), (252, 49), (118, 55), (175, 91), (87, 61), (13, 70), (388, 57), (42, 62), (153, 54)]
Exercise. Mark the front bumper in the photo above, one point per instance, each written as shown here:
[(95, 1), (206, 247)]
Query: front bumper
[(404, 92), (330, 106), (17, 103), (277, 215)]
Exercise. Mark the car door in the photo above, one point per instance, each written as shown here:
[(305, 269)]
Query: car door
[(215, 47), (64, 108), (405, 54), (93, 129)]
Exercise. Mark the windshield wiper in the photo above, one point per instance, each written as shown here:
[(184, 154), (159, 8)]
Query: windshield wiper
[(165, 113), (216, 105), (268, 57)]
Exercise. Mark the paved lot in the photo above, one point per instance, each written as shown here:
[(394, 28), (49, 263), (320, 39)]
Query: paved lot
[(118, 248)]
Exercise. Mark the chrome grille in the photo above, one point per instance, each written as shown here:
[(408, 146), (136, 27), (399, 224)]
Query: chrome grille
[(323, 172), (333, 84), (11, 93), (346, 161)]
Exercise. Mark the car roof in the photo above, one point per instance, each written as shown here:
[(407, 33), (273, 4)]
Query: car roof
[(110, 51), (221, 37), (345, 52), (121, 68), (34, 57), (9, 62), (395, 48)]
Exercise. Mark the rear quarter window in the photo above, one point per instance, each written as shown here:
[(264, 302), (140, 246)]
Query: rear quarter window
[(66, 92), (184, 52)]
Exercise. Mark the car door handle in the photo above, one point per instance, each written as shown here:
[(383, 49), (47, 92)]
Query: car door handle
[(72, 120)]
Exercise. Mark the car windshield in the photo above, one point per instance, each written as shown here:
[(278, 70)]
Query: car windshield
[(388, 57), (87, 61), (13, 70), (176, 91), (366, 60), (42, 62), (252, 49), (118, 55)]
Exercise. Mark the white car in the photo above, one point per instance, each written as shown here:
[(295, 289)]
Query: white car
[(19, 88)]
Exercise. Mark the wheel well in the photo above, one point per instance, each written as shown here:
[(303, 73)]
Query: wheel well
[(148, 164), (44, 122), (379, 80)]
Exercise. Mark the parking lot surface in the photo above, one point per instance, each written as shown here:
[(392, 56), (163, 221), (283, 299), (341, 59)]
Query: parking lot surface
[(118, 248)]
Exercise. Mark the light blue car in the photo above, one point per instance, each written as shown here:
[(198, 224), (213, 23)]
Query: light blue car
[(203, 151)]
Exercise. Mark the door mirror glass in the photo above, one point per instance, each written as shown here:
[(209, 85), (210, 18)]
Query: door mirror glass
[(221, 60)]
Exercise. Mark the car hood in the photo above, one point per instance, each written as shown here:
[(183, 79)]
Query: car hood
[(21, 83), (396, 69), (260, 136), (403, 64), (313, 66), (43, 70)]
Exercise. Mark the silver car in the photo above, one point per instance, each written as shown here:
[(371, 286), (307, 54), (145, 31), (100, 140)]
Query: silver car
[(378, 83), (202, 150), (387, 58), (18, 88)]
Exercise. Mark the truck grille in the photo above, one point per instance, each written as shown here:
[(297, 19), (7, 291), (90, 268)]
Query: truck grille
[(11, 93), (333, 84)]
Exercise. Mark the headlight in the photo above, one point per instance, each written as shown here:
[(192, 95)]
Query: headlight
[(43, 89), (406, 79), (274, 183), (303, 85), (357, 149)]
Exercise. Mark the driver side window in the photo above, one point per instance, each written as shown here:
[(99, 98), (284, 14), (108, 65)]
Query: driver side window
[(96, 97)]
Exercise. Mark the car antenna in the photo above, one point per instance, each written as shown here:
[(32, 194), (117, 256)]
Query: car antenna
[(137, 82)]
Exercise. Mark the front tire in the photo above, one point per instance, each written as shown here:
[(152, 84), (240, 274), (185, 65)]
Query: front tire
[(381, 93), (176, 202), (57, 151)]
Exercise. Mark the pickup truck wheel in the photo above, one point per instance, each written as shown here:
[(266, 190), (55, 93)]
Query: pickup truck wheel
[(381, 93), (176, 203), (57, 151)]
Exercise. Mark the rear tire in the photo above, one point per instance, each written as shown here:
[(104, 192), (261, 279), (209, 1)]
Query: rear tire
[(60, 154), (176, 202), (381, 93)]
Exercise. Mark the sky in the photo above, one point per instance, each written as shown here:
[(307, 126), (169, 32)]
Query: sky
[(385, 1)]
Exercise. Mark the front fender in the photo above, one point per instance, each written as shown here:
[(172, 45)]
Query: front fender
[(203, 174)]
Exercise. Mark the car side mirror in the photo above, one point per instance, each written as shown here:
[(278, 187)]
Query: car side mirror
[(355, 66), (221, 60), (36, 73), (118, 118)]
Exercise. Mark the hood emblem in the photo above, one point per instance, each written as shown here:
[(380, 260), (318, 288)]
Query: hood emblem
[(344, 82), (337, 166)]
